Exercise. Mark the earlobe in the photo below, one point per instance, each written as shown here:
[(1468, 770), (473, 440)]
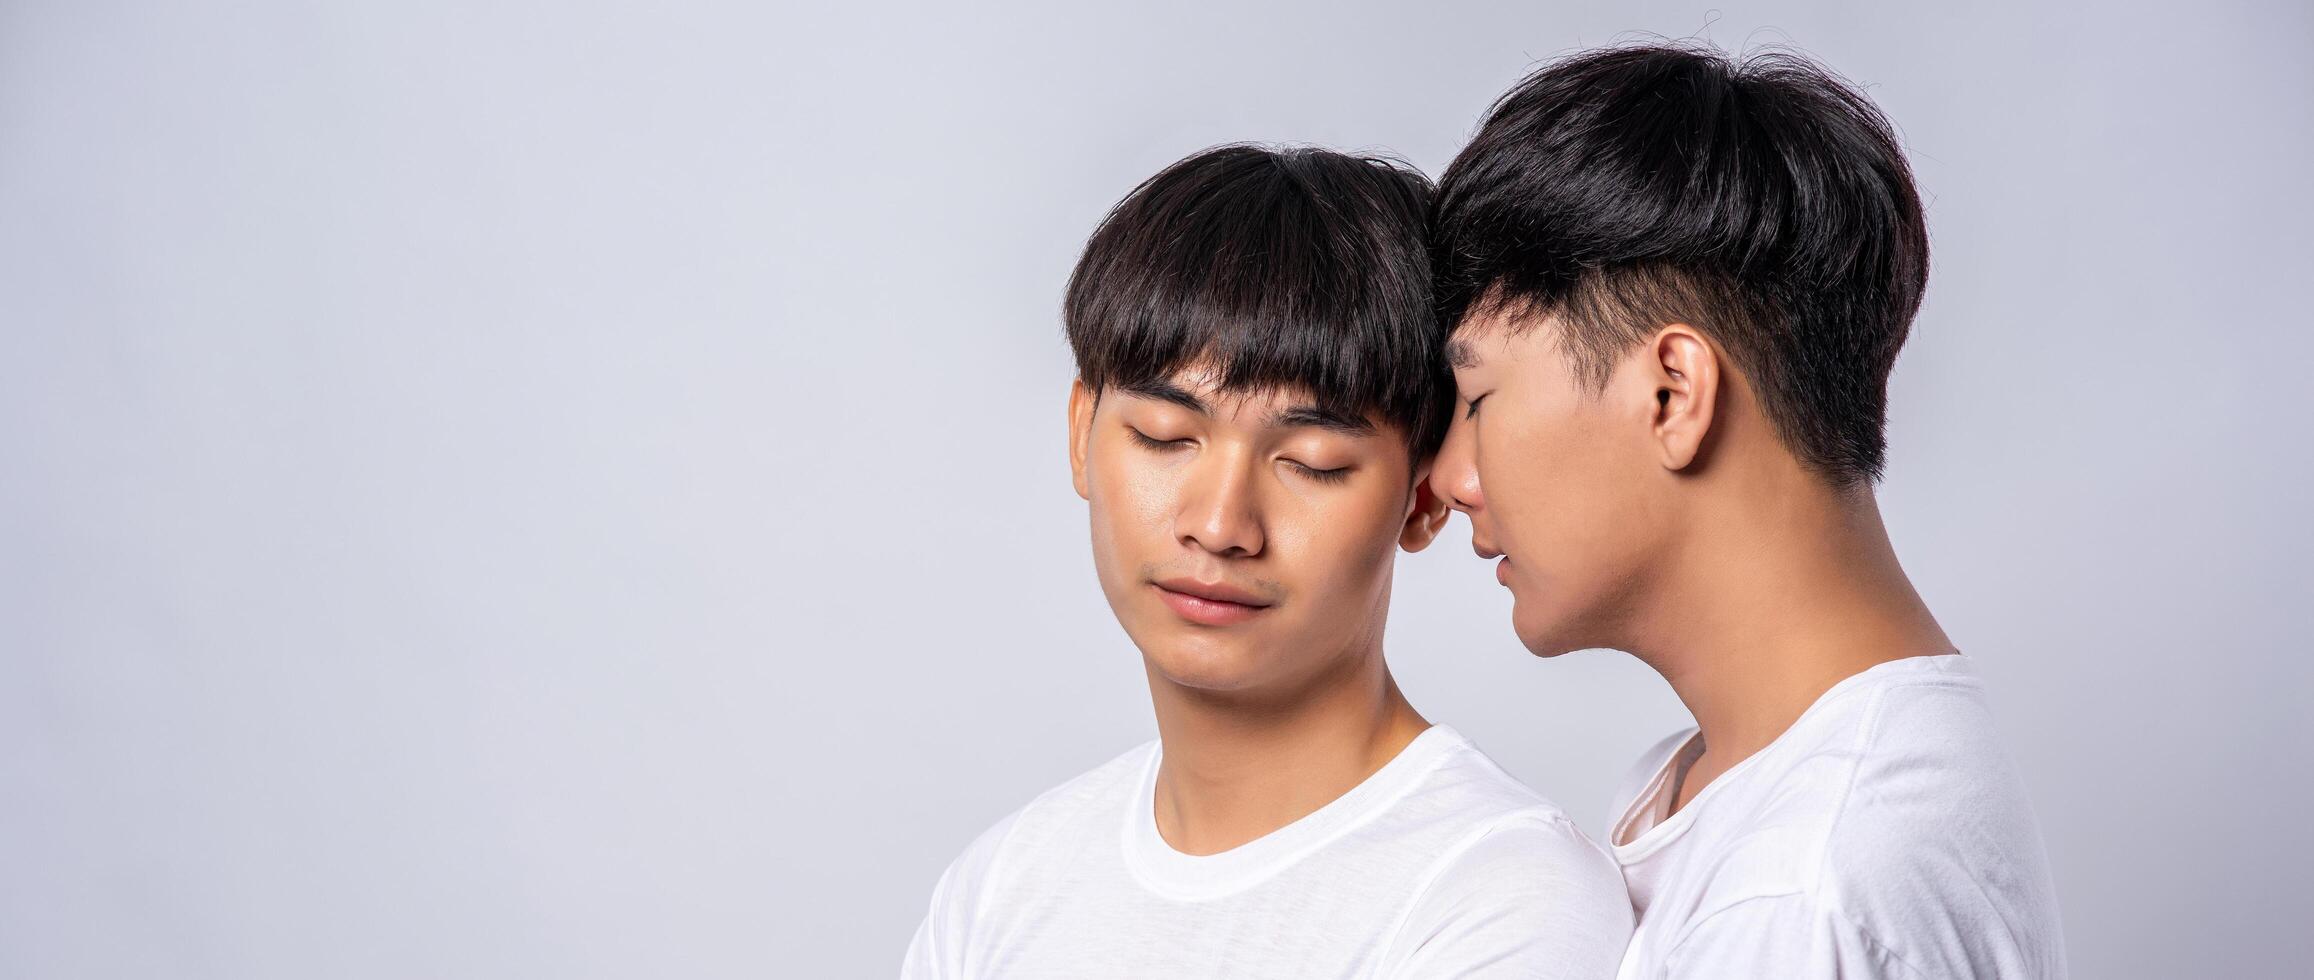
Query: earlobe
[(1081, 404), (1426, 514), (1686, 378)]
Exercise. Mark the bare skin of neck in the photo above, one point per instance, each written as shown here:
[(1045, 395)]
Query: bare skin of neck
[(1239, 766), (1785, 586)]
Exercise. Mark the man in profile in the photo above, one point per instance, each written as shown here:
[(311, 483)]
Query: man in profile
[(1259, 394), (1675, 285)]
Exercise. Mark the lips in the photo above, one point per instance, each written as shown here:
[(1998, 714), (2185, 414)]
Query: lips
[(1487, 550), (1210, 603)]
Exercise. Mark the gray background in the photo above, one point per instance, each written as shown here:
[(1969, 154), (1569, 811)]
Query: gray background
[(557, 490)]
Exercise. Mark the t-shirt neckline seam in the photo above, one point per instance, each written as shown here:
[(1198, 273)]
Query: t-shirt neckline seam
[(1185, 881)]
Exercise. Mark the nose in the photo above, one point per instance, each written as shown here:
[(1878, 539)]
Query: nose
[(1218, 511), (1454, 474)]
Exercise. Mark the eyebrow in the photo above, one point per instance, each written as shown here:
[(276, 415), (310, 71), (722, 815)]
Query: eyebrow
[(1312, 416), (1166, 391), (1461, 354)]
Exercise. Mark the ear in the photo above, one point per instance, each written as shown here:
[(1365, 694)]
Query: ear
[(1426, 513), (1081, 402), (1685, 372)]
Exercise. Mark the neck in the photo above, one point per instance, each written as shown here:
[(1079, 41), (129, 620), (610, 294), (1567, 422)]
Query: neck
[(1790, 586), (1237, 767)]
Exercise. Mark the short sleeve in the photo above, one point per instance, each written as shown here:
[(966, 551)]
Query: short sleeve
[(1530, 897)]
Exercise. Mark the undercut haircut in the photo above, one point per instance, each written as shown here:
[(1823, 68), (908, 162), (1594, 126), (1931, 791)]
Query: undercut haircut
[(1764, 201), (1275, 268)]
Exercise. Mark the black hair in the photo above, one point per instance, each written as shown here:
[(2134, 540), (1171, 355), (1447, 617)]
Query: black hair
[(1764, 201), (1278, 268)]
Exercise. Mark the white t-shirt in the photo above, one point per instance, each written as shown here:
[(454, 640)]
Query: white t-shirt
[(1884, 835), (1438, 865)]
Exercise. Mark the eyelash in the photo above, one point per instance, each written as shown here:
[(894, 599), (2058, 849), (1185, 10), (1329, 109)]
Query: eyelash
[(1145, 442), (1336, 475), (1323, 476), (1472, 412)]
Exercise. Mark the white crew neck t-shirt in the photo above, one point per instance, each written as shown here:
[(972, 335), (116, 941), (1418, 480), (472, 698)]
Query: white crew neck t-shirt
[(1440, 864), (1885, 834)]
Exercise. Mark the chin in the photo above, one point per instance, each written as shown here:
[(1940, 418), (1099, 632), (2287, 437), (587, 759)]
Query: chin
[(1547, 635), (1556, 612), (1546, 648), (1216, 664)]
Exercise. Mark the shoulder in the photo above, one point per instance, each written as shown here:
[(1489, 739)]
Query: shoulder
[(1099, 790), (967, 892), (1897, 821), (1504, 848), (1526, 893), (1469, 790), (1532, 854), (1930, 782), (1860, 790), (1060, 812), (1906, 748), (1516, 888), (1936, 838)]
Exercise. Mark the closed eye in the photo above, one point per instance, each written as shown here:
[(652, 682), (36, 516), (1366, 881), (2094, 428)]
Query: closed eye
[(1161, 445), (1472, 412), (1335, 475)]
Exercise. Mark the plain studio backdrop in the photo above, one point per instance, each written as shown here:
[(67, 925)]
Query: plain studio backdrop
[(549, 490)]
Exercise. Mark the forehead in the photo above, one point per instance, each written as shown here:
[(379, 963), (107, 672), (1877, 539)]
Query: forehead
[(1204, 382)]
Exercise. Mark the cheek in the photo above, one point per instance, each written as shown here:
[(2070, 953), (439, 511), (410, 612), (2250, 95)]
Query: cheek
[(1335, 562), (1129, 504), (1344, 540), (1522, 472), (1130, 494), (1550, 487)]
